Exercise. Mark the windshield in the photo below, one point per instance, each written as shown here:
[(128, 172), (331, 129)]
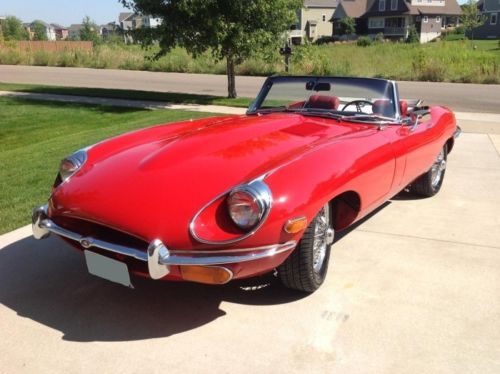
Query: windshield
[(341, 97)]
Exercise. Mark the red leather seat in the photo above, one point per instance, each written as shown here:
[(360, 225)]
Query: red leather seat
[(384, 108), (403, 108), (323, 102)]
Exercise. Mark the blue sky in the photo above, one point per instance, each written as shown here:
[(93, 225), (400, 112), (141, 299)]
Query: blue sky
[(64, 12)]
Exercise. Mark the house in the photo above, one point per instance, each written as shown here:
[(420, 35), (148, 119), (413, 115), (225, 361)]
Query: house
[(74, 31), (49, 30), (107, 30), (491, 27), (134, 21), (313, 21), (394, 18), (62, 32)]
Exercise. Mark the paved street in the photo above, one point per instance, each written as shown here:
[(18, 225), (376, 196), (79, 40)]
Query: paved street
[(459, 97), (412, 289)]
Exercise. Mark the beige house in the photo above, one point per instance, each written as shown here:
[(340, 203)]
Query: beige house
[(313, 21)]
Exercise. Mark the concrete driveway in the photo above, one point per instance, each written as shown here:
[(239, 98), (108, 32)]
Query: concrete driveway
[(415, 288)]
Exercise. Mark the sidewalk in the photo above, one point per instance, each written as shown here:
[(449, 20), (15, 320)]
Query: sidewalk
[(142, 104), (483, 123)]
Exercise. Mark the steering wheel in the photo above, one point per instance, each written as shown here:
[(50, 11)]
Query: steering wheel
[(359, 104)]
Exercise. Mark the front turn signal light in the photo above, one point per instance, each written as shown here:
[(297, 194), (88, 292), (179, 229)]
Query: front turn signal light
[(295, 225), (206, 274)]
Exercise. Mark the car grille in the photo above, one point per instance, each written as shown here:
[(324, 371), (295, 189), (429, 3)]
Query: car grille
[(100, 232)]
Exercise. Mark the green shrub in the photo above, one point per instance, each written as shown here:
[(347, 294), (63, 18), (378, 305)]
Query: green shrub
[(11, 57), (345, 26), (413, 36), (41, 58), (364, 41), (379, 38)]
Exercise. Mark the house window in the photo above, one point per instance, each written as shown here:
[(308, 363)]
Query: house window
[(493, 19), (426, 19), (324, 17), (394, 4), (376, 23), (438, 19), (381, 5)]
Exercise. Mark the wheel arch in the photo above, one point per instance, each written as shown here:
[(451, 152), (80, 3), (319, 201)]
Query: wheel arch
[(345, 208), (449, 144)]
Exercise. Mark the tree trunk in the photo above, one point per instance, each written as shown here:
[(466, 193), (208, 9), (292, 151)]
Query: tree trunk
[(231, 81)]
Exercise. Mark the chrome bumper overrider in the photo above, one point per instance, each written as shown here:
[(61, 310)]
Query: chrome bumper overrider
[(158, 256), (457, 132)]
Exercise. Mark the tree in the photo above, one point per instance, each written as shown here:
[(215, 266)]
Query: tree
[(12, 29), (39, 31), (232, 30), (471, 18), (88, 31), (346, 26)]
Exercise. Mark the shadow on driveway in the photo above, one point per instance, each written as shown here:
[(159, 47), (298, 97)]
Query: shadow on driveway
[(47, 281)]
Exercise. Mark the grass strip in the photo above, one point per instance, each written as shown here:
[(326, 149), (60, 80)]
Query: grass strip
[(36, 135)]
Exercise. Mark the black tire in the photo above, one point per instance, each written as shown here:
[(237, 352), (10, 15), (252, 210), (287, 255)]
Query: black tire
[(429, 183), (300, 271)]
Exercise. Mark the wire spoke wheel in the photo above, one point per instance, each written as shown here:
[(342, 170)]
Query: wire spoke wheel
[(305, 269)]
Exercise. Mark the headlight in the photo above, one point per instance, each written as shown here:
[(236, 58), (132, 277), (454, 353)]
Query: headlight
[(248, 204), (71, 164)]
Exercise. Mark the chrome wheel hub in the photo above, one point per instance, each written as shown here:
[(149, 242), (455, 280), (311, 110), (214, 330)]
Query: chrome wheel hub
[(438, 169), (323, 237)]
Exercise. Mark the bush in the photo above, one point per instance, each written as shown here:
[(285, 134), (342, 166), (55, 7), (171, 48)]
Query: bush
[(460, 30), (364, 41), (41, 58), (324, 40), (413, 36), (379, 38), (345, 26)]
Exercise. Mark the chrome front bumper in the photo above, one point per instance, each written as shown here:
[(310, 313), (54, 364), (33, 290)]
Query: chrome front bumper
[(157, 255)]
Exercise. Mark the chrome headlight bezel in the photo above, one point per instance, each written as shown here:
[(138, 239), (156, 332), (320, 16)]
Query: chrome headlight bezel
[(259, 195), (71, 164)]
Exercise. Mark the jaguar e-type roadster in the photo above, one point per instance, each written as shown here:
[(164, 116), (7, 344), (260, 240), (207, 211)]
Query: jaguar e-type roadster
[(231, 197)]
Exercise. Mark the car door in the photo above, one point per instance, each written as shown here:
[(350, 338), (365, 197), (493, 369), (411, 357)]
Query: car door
[(421, 146)]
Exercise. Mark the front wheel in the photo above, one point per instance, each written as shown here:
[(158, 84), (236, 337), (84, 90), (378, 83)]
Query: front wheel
[(305, 269), (429, 184)]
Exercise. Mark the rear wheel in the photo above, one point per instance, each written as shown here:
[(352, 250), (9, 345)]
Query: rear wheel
[(305, 269), (429, 184)]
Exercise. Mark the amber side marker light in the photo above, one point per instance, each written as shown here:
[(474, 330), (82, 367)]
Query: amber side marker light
[(206, 274), (295, 225)]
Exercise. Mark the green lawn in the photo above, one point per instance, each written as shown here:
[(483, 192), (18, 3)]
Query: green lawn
[(35, 136), (171, 97)]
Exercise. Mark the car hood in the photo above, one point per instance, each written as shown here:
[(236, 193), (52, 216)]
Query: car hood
[(151, 182)]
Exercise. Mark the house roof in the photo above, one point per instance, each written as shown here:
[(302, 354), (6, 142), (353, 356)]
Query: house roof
[(450, 7), (75, 26), (58, 26), (354, 8), (124, 16), (321, 3)]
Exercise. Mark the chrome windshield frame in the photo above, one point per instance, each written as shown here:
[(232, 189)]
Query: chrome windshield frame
[(393, 94)]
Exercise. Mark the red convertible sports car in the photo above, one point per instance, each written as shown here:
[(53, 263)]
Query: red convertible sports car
[(233, 197)]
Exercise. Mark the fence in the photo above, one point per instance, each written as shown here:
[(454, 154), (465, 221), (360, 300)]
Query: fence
[(55, 46)]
